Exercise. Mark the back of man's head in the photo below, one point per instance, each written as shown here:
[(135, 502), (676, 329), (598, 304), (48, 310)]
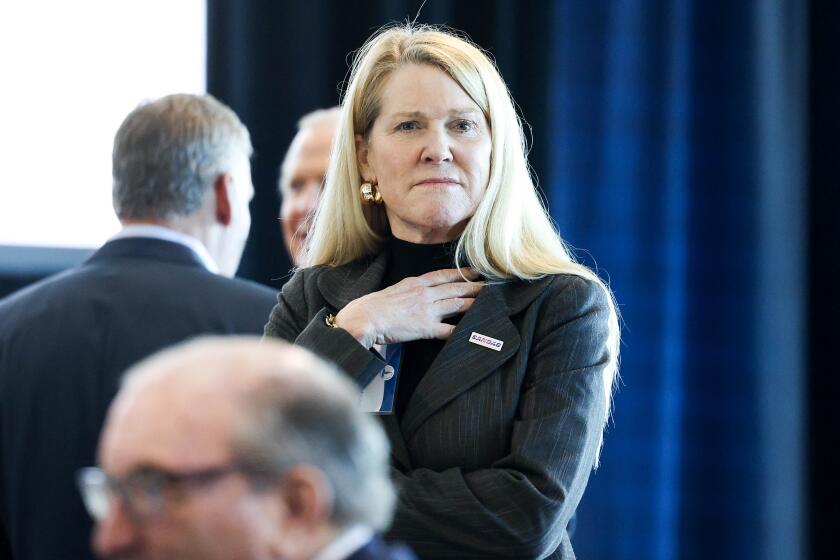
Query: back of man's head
[(168, 153), (278, 417)]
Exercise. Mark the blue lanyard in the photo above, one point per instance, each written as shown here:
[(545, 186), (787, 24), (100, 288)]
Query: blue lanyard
[(390, 373)]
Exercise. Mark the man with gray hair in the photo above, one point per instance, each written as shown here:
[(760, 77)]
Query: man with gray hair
[(302, 176), (236, 449), (181, 188)]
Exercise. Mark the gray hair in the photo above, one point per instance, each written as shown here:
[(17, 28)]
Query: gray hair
[(312, 418), (330, 433), (318, 117), (313, 119), (169, 152)]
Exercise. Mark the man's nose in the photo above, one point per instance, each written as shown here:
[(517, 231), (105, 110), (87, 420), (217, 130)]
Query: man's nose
[(117, 534), (307, 202)]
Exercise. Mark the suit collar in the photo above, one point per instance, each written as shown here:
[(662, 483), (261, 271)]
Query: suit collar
[(155, 231), (377, 549), (461, 364), (147, 248), (342, 284), (349, 543)]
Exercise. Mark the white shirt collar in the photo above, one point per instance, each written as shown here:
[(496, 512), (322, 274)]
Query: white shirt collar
[(167, 234), (346, 543)]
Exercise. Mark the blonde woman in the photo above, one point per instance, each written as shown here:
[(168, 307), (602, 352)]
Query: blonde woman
[(435, 279)]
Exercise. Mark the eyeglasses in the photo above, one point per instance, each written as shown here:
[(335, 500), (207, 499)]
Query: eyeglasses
[(145, 491)]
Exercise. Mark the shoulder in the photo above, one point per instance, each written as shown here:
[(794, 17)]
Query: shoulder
[(326, 278), (577, 291), (568, 291), (303, 280), (247, 287), (55, 288), (568, 307)]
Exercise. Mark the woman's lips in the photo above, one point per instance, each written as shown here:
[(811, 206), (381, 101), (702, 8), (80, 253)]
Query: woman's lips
[(438, 181)]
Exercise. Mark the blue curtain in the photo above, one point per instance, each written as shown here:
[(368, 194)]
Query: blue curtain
[(677, 149)]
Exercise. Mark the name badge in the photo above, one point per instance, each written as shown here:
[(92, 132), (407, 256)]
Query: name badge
[(486, 341)]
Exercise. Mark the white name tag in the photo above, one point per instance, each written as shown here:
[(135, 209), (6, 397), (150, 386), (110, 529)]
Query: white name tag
[(486, 341)]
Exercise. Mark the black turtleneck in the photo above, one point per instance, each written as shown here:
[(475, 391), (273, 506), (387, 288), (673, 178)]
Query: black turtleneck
[(411, 259)]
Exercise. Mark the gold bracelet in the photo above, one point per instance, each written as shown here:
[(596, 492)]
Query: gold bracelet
[(329, 319)]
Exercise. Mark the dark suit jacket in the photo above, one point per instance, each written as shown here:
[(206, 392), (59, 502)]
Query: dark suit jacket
[(64, 343), (375, 549), (495, 448)]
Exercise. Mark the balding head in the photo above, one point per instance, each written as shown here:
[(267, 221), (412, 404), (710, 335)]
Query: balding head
[(293, 458)]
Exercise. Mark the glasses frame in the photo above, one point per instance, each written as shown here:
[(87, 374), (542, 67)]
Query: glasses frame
[(146, 490)]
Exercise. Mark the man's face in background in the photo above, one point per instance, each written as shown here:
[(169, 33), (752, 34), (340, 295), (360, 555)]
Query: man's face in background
[(301, 181)]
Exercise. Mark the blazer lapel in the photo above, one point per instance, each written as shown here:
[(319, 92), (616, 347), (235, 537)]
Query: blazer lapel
[(342, 284), (461, 363)]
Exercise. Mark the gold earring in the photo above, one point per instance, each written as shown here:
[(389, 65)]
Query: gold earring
[(370, 194)]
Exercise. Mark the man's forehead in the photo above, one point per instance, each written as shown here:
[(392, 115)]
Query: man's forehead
[(171, 425), (315, 140), (309, 154), (183, 408)]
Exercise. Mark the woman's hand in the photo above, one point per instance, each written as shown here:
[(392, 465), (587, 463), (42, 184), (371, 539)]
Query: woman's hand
[(411, 309)]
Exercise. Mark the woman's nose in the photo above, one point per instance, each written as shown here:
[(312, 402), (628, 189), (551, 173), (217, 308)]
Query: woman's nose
[(437, 148)]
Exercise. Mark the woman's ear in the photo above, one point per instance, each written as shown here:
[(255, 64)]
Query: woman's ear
[(362, 157)]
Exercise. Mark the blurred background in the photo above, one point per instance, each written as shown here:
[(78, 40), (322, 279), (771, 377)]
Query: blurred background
[(686, 149)]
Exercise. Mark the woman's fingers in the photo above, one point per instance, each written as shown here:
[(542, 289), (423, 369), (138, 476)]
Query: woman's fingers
[(447, 275), (411, 309), (444, 331), (453, 290), (453, 306)]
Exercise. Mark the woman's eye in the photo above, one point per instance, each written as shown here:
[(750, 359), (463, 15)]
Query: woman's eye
[(464, 126), (408, 125)]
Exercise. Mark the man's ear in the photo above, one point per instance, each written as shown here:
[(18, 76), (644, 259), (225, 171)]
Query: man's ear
[(362, 157), (222, 190), (308, 495)]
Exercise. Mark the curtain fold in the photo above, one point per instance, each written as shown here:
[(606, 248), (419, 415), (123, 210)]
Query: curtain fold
[(678, 142)]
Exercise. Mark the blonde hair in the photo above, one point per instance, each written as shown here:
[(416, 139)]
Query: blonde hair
[(510, 235)]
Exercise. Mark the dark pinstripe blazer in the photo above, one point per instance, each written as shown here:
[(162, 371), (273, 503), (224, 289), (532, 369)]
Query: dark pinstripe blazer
[(494, 451)]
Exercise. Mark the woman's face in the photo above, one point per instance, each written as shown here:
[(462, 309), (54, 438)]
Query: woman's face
[(429, 152)]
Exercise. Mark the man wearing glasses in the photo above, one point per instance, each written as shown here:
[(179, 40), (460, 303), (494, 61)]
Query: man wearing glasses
[(232, 448)]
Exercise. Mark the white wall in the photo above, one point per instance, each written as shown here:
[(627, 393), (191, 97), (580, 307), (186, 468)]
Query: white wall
[(69, 73)]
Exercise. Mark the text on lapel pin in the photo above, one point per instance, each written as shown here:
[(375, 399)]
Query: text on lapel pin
[(486, 341)]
